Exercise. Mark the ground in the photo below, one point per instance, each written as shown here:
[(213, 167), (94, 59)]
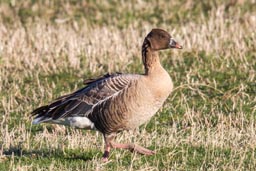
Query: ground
[(47, 49)]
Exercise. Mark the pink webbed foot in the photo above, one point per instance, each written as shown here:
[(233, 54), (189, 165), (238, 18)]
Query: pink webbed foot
[(133, 148), (142, 150)]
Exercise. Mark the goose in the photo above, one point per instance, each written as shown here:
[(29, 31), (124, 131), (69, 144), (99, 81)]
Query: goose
[(116, 102)]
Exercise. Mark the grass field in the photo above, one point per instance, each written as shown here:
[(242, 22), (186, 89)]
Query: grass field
[(47, 49)]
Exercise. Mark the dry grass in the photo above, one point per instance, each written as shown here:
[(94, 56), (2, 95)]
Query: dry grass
[(208, 123)]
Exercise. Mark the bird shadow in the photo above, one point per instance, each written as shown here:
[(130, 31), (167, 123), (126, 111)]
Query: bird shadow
[(53, 153)]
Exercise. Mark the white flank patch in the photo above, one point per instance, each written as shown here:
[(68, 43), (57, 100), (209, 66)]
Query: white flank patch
[(79, 122)]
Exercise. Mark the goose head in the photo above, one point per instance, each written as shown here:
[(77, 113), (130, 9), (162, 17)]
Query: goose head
[(160, 39)]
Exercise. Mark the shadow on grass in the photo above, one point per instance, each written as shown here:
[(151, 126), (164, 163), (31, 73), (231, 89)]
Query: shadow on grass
[(53, 153)]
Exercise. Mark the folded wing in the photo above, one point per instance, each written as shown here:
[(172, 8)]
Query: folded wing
[(81, 102)]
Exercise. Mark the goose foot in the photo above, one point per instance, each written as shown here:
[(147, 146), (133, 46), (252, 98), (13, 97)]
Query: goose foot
[(142, 150), (105, 156), (129, 146), (133, 148), (106, 152)]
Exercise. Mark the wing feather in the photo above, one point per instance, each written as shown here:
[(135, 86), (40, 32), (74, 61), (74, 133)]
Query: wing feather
[(82, 101)]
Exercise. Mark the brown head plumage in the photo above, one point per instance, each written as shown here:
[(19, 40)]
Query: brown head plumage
[(160, 39)]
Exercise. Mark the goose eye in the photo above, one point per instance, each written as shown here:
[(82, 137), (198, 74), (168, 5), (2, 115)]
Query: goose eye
[(162, 36)]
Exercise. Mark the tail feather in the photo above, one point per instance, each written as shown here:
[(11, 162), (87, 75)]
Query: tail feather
[(40, 115), (40, 110), (39, 120), (45, 113)]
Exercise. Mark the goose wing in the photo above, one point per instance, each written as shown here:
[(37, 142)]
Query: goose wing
[(82, 101)]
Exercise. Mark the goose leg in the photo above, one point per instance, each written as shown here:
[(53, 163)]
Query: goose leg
[(108, 146), (106, 153), (132, 148)]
